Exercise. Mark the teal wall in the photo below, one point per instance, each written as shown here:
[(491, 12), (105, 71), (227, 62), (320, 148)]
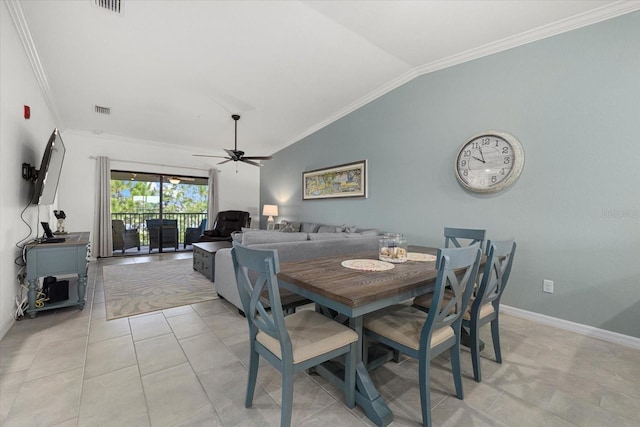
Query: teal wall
[(573, 101)]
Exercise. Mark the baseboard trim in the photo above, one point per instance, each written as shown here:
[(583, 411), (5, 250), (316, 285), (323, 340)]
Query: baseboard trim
[(578, 328)]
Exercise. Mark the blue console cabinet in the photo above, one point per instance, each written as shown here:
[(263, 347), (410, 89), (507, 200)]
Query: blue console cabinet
[(51, 259)]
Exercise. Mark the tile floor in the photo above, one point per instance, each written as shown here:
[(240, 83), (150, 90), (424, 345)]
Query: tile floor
[(187, 367)]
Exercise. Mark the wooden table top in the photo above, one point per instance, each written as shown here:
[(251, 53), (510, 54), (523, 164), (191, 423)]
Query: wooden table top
[(327, 278)]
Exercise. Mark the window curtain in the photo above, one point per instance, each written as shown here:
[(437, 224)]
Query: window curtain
[(212, 206), (103, 237)]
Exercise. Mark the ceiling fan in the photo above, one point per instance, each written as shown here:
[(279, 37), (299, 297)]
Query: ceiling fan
[(235, 154)]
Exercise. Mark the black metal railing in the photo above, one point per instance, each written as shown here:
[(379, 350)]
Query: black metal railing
[(139, 221)]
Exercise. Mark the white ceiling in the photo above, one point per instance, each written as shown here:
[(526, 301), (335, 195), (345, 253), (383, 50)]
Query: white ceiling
[(175, 71)]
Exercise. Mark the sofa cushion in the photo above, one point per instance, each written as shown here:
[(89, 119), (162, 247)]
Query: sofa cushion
[(252, 238), (327, 236), (370, 232), (309, 227), (330, 229)]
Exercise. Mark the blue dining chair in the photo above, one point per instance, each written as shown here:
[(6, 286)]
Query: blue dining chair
[(451, 236), (485, 305), (424, 335), (300, 341)]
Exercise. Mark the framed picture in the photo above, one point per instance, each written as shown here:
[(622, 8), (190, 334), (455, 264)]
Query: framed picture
[(348, 180)]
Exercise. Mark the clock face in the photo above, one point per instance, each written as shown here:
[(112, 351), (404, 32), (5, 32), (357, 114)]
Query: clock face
[(489, 162)]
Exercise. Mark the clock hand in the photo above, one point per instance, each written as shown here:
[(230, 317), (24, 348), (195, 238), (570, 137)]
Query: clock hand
[(480, 160), (480, 149)]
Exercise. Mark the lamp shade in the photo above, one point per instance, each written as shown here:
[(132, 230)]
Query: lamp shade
[(270, 210)]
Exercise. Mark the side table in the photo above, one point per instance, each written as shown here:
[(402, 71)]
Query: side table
[(204, 254), (48, 259)]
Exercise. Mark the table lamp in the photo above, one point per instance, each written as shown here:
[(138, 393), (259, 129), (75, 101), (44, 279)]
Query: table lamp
[(270, 211)]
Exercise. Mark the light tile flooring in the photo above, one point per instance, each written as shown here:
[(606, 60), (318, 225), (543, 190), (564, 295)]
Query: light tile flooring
[(187, 367)]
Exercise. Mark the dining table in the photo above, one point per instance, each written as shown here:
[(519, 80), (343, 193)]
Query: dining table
[(351, 294)]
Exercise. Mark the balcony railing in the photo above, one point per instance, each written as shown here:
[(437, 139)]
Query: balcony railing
[(139, 221)]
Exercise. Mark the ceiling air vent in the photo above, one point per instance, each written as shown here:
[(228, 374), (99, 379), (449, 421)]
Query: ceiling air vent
[(112, 5), (103, 110)]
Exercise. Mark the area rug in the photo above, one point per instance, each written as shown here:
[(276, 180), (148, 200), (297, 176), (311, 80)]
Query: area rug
[(141, 288)]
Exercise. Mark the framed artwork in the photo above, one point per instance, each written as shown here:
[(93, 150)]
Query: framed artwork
[(348, 180)]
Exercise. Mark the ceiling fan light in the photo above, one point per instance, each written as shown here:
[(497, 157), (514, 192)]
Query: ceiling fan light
[(174, 181)]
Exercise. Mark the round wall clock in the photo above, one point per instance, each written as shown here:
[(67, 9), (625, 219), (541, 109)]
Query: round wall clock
[(489, 162)]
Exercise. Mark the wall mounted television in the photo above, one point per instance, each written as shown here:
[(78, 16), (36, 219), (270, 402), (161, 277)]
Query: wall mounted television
[(47, 177)]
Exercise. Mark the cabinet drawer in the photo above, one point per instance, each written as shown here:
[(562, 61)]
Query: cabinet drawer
[(203, 262)]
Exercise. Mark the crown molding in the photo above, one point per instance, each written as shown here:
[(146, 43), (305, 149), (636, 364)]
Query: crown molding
[(594, 16), (22, 28)]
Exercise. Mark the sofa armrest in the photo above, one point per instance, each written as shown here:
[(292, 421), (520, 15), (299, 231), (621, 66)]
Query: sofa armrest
[(225, 278)]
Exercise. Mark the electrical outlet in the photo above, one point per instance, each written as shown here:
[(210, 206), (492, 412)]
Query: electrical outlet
[(547, 286)]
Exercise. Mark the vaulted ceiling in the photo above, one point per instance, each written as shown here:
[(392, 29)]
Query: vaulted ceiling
[(175, 71)]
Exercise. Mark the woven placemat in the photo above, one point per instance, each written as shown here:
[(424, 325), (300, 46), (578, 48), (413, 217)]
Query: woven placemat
[(367, 265), (417, 256)]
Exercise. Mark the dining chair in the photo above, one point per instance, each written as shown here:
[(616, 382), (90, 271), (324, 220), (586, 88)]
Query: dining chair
[(300, 341), (451, 235), (424, 335), (485, 305)]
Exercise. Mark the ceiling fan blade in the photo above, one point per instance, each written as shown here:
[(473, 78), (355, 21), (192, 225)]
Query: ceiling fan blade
[(206, 155), (244, 159), (258, 157), (224, 161), (232, 154)]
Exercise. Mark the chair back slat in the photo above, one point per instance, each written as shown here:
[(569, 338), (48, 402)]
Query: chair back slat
[(452, 235), (457, 269), (500, 255), (262, 264)]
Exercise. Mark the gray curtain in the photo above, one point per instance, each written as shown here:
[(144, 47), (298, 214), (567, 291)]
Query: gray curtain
[(102, 236), (212, 207)]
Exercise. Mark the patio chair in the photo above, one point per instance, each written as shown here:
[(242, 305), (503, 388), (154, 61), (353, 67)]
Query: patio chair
[(292, 344), (423, 335), (124, 239), (169, 233), (192, 234)]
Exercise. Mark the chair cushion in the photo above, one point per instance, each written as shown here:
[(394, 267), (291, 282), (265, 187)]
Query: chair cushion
[(312, 334), (403, 324), (425, 301)]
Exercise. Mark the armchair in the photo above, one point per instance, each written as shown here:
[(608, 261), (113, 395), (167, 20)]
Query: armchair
[(192, 234), (124, 239), (226, 223), (169, 233)]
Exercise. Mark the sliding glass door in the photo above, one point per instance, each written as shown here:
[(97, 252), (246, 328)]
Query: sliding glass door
[(160, 207)]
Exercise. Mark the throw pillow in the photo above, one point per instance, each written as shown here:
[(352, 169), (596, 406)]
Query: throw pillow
[(350, 228), (290, 227), (309, 227)]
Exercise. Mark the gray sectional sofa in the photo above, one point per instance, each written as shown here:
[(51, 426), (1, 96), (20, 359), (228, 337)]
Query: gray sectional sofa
[(302, 241)]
